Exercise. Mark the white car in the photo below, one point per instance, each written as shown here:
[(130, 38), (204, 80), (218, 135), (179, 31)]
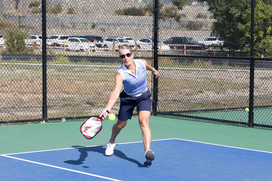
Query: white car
[(34, 39), (118, 41), (2, 41), (212, 41), (79, 44), (130, 40), (147, 43), (58, 40)]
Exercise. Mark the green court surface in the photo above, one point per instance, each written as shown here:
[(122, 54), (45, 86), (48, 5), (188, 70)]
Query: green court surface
[(48, 136), (261, 115)]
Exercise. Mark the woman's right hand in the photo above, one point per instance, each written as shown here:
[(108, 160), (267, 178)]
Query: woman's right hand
[(104, 114)]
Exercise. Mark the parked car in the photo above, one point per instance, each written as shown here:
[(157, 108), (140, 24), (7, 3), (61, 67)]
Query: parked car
[(180, 42), (57, 40), (130, 40), (34, 39), (117, 40), (79, 44), (212, 41), (2, 41), (147, 43), (97, 40)]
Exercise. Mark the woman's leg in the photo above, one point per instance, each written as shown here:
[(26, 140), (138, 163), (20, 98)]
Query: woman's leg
[(117, 127), (144, 125)]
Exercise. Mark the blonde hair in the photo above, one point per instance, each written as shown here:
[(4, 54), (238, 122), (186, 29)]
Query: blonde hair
[(125, 47)]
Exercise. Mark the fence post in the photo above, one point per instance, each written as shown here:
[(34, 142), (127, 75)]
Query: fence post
[(44, 62), (252, 64), (155, 47), (113, 48)]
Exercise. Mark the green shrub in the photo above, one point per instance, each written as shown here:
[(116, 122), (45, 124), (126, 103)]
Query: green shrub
[(71, 11), (133, 11), (264, 48), (15, 42), (192, 25), (103, 29), (179, 3), (93, 25), (36, 10), (201, 15), (171, 12), (34, 4), (55, 10), (119, 12)]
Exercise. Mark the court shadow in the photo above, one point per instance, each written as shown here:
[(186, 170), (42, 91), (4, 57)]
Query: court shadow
[(84, 154), (121, 155), (99, 149)]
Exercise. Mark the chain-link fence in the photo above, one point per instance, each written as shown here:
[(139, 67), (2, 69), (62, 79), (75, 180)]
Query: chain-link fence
[(228, 82), (204, 65), (200, 89)]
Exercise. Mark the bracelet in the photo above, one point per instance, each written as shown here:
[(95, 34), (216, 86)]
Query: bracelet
[(153, 69)]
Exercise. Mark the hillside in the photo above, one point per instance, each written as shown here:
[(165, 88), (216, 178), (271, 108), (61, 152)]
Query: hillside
[(87, 7), (94, 12), (92, 7)]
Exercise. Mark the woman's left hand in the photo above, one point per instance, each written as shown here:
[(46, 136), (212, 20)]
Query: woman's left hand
[(156, 73)]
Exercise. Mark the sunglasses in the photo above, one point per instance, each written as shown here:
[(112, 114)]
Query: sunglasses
[(124, 55)]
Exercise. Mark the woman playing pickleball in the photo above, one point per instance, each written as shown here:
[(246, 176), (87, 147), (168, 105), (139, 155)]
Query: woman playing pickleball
[(131, 75)]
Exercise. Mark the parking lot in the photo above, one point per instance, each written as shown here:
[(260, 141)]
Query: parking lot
[(96, 45)]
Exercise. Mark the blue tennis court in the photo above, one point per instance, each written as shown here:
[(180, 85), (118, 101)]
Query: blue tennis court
[(176, 159)]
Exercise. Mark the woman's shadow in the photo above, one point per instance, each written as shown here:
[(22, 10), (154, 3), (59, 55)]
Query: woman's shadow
[(99, 149)]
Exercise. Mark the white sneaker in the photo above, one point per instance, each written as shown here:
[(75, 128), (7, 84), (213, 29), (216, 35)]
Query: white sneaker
[(110, 149)]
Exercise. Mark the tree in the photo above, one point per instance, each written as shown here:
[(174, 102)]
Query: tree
[(228, 15), (15, 42), (150, 8), (165, 13), (263, 27), (233, 22), (171, 12)]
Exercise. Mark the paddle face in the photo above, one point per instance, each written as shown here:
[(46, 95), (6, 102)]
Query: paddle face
[(91, 127)]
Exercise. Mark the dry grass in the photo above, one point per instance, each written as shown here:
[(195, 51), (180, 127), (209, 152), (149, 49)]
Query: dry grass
[(78, 90)]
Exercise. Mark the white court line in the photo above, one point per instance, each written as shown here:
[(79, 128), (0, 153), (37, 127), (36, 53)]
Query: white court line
[(107, 178), (61, 168), (213, 144), (57, 149), (207, 143), (200, 142)]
